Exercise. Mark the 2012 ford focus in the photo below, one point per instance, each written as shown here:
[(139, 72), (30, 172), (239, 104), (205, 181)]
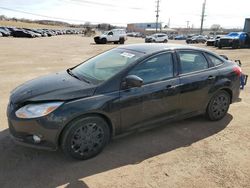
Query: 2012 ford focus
[(131, 86)]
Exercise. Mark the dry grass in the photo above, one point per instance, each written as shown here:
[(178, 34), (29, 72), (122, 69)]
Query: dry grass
[(26, 25)]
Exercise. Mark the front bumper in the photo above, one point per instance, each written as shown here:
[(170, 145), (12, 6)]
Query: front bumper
[(227, 42), (148, 40), (23, 130)]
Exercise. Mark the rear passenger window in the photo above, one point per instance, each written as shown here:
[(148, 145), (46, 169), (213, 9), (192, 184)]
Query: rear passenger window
[(192, 61), (216, 61)]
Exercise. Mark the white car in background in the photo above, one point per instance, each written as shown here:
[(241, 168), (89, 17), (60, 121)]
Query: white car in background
[(157, 37), (115, 35)]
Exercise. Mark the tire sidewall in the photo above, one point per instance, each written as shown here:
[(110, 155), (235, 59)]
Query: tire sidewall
[(209, 107), (73, 126)]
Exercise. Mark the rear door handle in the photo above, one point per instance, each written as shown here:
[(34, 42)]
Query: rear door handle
[(211, 77)]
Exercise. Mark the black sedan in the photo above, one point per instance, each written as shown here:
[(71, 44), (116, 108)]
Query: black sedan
[(196, 39), (82, 108)]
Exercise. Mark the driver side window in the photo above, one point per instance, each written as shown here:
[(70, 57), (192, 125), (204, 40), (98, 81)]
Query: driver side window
[(154, 69)]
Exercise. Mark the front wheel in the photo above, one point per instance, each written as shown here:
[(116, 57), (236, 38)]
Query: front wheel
[(84, 138), (104, 41), (218, 106)]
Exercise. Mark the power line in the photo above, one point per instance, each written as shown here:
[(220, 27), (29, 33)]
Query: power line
[(52, 17), (81, 2)]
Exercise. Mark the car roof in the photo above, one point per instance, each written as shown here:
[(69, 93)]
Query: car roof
[(154, 47)]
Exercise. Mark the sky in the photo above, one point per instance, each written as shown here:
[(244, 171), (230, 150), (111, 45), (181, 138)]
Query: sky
[(121, 12)]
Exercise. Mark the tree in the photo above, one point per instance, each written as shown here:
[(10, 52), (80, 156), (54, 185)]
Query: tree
[(215, 27)]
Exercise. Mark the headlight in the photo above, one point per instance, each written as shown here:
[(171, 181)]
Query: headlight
[(37, 110)]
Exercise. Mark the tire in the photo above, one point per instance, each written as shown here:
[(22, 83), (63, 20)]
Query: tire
[(122, 41), (219, 46), (218, 106), (104, 41), (165, 41), (85, 137)]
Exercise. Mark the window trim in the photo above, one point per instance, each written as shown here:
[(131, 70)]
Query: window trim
[(171, 52), (193, 72), (213, 65)]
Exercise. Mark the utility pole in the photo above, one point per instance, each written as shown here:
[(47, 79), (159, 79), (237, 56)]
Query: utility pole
[(202, 16), (157, 14), (169, 23), (188, 24)]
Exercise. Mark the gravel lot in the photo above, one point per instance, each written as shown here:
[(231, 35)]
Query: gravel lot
[(190, 153)]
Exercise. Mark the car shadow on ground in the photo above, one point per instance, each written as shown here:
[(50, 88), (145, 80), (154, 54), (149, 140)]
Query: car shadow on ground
[(25, 167)]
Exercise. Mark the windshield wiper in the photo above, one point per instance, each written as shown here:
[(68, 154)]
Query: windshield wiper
[(73, 75)]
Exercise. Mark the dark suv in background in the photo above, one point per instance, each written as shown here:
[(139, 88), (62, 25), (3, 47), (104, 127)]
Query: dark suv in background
[(234, 40)]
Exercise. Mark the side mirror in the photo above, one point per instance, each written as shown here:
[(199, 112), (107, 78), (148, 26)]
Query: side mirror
[(133, 81)]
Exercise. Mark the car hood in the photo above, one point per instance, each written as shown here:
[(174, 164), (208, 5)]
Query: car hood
[(230, 37), (58, 86)]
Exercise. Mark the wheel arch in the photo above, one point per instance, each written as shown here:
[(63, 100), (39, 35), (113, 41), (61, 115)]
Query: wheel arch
[(226, 89), (103, 116), (229, 91)]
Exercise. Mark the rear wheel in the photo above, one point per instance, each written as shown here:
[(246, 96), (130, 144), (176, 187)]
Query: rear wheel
[(218, 106), (122, 40), (104, 41), (85, 137)]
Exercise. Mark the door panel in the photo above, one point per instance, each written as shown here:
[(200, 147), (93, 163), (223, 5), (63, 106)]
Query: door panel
[(157, 98), (161, 99), (194, 90), (196, 78), (131, 106)]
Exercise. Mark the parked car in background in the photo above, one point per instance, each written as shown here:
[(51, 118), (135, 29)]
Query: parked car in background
[(134, 34), (235, 40), (31, 33), (115, 35), (196, 39), (213, 41), (157, 37), (22, 33), (180, 37), (82, 108), (4, 31)]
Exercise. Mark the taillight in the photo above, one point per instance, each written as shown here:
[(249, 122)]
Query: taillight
[(237, 70)]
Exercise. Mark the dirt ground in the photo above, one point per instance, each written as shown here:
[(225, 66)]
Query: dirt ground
[(190, 153)]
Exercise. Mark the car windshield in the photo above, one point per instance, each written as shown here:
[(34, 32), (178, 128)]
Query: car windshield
[(102, 67), (233, 34)]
